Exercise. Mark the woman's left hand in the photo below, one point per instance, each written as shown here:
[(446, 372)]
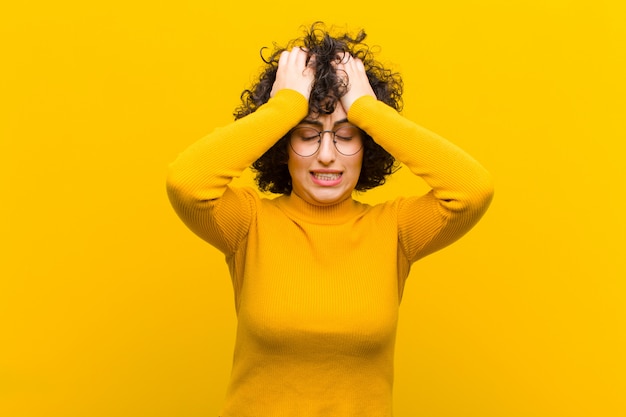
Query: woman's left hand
[(358, 84)]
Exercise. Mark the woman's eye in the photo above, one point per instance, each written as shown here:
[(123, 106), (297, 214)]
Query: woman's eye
[(306, 134), (346, 133)]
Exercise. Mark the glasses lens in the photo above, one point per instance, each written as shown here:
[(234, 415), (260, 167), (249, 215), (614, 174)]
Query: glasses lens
[(348, 140), (305, 141)]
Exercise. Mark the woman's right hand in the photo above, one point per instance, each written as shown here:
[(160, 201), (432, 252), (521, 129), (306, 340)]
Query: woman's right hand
[(359, 84), (294, 73)]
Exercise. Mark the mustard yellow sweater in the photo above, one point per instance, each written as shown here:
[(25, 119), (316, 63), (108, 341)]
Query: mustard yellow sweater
[(317, 289)]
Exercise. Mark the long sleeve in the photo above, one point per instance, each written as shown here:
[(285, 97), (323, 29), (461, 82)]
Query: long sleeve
[(198, 179), (461, 188)]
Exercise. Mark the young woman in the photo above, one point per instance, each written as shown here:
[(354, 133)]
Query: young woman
[(317, 276)]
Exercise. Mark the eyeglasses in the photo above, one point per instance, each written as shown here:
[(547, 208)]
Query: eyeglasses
[(306, 141)]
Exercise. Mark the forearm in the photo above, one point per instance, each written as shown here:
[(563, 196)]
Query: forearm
[(201, 173), (458, 181)]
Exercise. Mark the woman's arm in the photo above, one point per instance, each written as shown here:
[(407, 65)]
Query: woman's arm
[(197, 182), (198, 179), (461, 188)]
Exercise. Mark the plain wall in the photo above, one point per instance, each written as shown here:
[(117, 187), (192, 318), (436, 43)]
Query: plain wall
[(109, 306)]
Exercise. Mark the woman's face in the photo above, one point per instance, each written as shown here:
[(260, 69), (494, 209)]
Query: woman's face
[(327, 177)]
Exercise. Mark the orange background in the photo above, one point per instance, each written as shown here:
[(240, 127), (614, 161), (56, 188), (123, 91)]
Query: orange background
[(110, 307)]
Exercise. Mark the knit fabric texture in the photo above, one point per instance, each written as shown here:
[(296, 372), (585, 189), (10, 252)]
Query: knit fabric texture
[(317, 288)]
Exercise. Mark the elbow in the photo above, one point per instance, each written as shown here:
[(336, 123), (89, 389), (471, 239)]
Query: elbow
[(486, 189), (179, 189), (175, 188), (174, 182), (474, 196), (182, 190), (481, 194)]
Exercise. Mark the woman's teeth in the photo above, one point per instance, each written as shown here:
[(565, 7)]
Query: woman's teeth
[(324, 176)]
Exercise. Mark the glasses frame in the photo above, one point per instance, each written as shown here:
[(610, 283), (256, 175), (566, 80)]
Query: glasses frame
[(320, 134)]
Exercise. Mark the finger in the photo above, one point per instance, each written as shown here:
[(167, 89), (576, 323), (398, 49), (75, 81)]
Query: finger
[(300, 57), (343, 57), (284, 57), (351, 62), (358, 64), (293, 56), (354, 67), (282, 64)]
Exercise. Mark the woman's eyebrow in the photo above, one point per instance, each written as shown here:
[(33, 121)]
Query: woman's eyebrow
[(320, 124), (311, 122)]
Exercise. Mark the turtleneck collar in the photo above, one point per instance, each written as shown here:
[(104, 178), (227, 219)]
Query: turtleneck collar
[(338, 213)]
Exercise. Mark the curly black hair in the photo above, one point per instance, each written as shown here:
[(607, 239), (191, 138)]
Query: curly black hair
[(328, 87)]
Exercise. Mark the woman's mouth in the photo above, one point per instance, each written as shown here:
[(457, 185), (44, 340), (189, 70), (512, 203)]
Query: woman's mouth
[(326, 179)]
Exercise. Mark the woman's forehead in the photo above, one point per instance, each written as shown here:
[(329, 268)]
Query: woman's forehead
[(336, 117)]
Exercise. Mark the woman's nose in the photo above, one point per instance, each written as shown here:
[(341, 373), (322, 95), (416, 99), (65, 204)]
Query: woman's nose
[(327, 152)]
